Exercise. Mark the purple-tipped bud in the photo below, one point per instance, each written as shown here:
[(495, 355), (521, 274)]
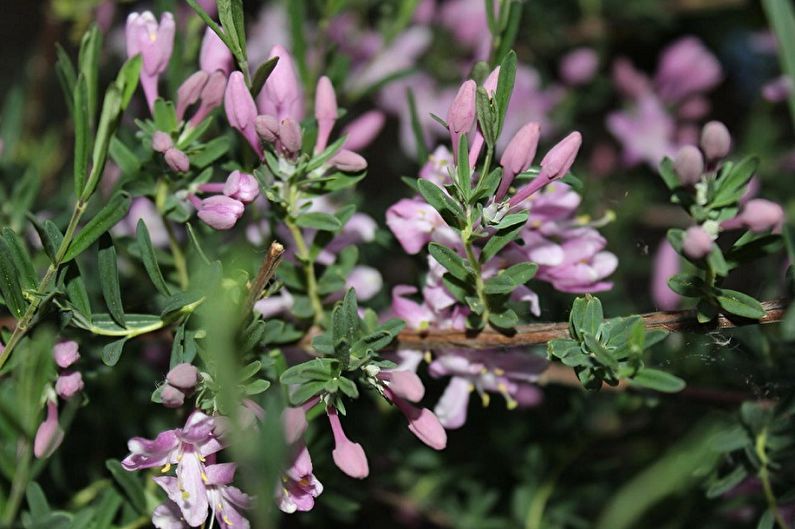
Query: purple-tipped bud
[(282, 96), (190, 91), (760, 215), (177, 160), (214, 54), (518, 156), (161, 142), (348, 456), (241, 111), (154, 42), (294, 424), (183, 376), (220, 211), (461, 115), (554, 165), (696, 243), (242, 187), (490, 84), (403, 383), (348, 161), (290, 136), (325, 111), (69, 383), (65, 353), (267, 128), (49, 434), (715, 140), (689, 165), (172, 397), (363, 130)]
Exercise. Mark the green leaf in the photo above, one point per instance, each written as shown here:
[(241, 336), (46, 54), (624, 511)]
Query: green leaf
[(499, 284), (740, 304), (9, 282), (76, 291), (450, 211), (451, 261), (319, 221), (730, 187), (210, 152), (512, 219), (111, 352), (668, 174), (149, 259), (499, 240), (687, 285), (113, 212), (165, 116), (464, 177), (520, 273), (658, 380), (781, 17), (88, 67), (257, 386), (416, 127), (264, 71), (488, 186), (502, 95), (230, 14), (511, 29), (296, 13), (124, 157), (717, 262), (109, 281), (504, 320), (718, 487), (82, 133), (130, 484), (67, 77), (21, 259)]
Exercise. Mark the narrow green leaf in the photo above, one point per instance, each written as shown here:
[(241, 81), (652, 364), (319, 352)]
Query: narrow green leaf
[(66, 76), (502, 95), (82, 133), (9, 282), (781, 17), (416, 128), (464, 177), (319, 221), (112, 352), (261, 75), (450, 211), (499, 240), (740, 304), (109, 280), (504, 320), (451, 261), (88, 68), (130, 483), (687, 285), (113, 212), (149, 259), (658, 380), (21, 258)]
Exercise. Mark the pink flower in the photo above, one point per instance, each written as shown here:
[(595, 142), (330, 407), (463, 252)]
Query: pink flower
[(177, 160), (242, 187), (241, 111), (413, 222), (183, 376), (761, 215), (49, 435), (214, 54), (69, 384), (363, 130), (221, 212), (646, 131), (299, 486), (696, 243), (65, 353), (666, 264), (154, 42), (686, 67), (282, 95), (348, 456), (325, 112), (579, 66)]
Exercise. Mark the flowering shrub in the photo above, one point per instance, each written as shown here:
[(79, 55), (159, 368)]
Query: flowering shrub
[(234, 283)]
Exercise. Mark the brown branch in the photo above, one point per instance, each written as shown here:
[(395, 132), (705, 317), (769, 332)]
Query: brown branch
[(266, 271), (540, 333)]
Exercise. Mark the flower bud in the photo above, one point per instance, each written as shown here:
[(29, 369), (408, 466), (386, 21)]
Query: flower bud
[(348, 161), (689, 165), (696, 243), (518, 155), (220, 211), (267, 128), (293, 423), (490, 84), (290, 136), (348, 456), (404, 383), (554, 165), (177, 160), (161, 142), (426, 426), (214, 54), (172, 397), (242, 187), (282, 96), (183, 376), (213, 92), (761, 215), (69, 384), (461, 115), (715, 140), (241, 111), (190, 91), (65, 353), (325, 112), (363, 130), (49, 434)]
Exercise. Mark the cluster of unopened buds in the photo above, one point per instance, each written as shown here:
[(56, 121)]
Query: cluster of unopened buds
[(68, 384), (695, 167)]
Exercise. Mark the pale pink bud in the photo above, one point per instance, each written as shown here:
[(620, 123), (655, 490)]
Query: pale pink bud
[(325, 111), (190, 91), (242, 187), (220, 211), (65, 353), (183, 376), (490, 84), (241, 111), (294, 423), (214, 54), (49, 434), (177, 160), (348, 456), (267, 128), (282, 96), (579, 66), (211, 97), (161, 142), (461, 115), (629, 80), (715, 140), (689, 165), (405, 384), (554, 165), (422, 422), (172, 397), (348, 161), (69, 383), (363, 130), (518, 155), (778, 89), (290, 136), (696, 243), (760, 215)]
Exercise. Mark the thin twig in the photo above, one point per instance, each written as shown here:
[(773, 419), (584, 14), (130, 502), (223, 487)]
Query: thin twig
[(266, 271), (541, 333)]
